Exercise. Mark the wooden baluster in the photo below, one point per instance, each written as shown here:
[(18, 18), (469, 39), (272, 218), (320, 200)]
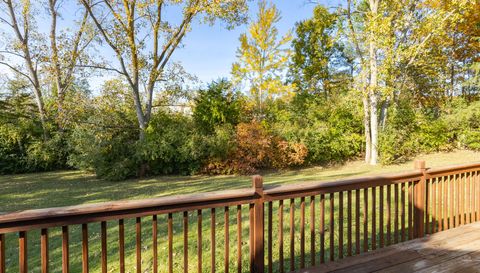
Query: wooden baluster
[(445, 203), (322, 228), (332, 227), (65, 250), (439, 213), (2, 254), (155, 243), (138, 243), (22, 248), (199, 241), (340, 225), (365, 220), (212, 239), (410, 210), (357, 221), (389, 215), (349, 223), (270, 237), (395, 220), (103, 227), (380, 218), (374, 219), (280, 243), (461, 199), (457, 200), (402, 209), (312, 230), (433, 206), (227, 239), (451, 205), (121, 244), (44, 250), (170, 242), (469, 196), (185, 242), (251, 239), (85, 266), (239, 239), (302, 232), (292, 235)]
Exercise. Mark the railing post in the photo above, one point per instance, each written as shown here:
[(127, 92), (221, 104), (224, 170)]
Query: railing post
[(420, 192), (258, 226)]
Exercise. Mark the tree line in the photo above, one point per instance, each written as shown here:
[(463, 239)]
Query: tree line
[(378, 79)]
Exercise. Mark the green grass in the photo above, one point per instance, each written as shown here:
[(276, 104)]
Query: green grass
[(53, 189)]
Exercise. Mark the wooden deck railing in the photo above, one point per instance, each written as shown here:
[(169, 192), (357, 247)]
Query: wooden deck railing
[(336, 220)]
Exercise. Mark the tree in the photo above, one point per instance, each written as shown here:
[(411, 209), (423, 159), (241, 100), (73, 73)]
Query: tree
[(263, 57), (319, 63), (218, 104), (143, 40), (26, 46), (66, 53)]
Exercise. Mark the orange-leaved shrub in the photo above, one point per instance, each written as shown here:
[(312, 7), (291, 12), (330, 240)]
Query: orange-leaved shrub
[(257, 148)]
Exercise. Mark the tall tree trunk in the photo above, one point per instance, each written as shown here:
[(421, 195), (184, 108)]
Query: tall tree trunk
[(384, 112), (366, 125), (372, 93)]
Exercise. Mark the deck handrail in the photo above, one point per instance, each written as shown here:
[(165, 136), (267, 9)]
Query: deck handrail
[(419, 186)]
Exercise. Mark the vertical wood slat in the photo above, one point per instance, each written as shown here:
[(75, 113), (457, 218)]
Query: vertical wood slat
[(433, 206), (322, 228), (445, 203), (259, 221), (461, 199), (357, 221), (185, 242), (410, 210), (302, 232), (340, 225), (439, 213), (374, 219), (395, 220), (270, 237), (403, 192), (468, 201), (312, 230), (227, 239), (365, 220), (280, 243), (155, 243), (65, 250), (2, 254), (451, 204), (477, 189), (212, 240), (22, 248), (85, 266), (138, 243), (121, 244), (239, 240), (43, 250), (349, 223), (380, 218), (251, 236), (199, 241), (389, 215), (292, 235), (170, 242), (103, 227), (332, 227)]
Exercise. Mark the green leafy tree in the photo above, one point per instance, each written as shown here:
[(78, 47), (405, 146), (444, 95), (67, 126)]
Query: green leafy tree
[(217, 105), (318, 63), (263, 57)]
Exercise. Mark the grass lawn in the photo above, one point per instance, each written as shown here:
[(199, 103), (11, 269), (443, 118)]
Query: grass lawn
[(62, 188)]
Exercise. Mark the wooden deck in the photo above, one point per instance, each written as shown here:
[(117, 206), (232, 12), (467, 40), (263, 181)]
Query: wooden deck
[(454, 250)]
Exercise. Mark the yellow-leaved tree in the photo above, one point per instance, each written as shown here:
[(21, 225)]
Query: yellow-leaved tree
[(263, 57)]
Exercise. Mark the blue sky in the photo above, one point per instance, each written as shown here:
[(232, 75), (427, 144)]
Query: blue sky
[(209, 51)]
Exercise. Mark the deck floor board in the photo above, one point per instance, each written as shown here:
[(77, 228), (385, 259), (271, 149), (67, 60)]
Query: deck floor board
[(454, 250)]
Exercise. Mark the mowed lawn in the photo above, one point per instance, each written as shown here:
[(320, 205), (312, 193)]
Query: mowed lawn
[(62, 188)]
